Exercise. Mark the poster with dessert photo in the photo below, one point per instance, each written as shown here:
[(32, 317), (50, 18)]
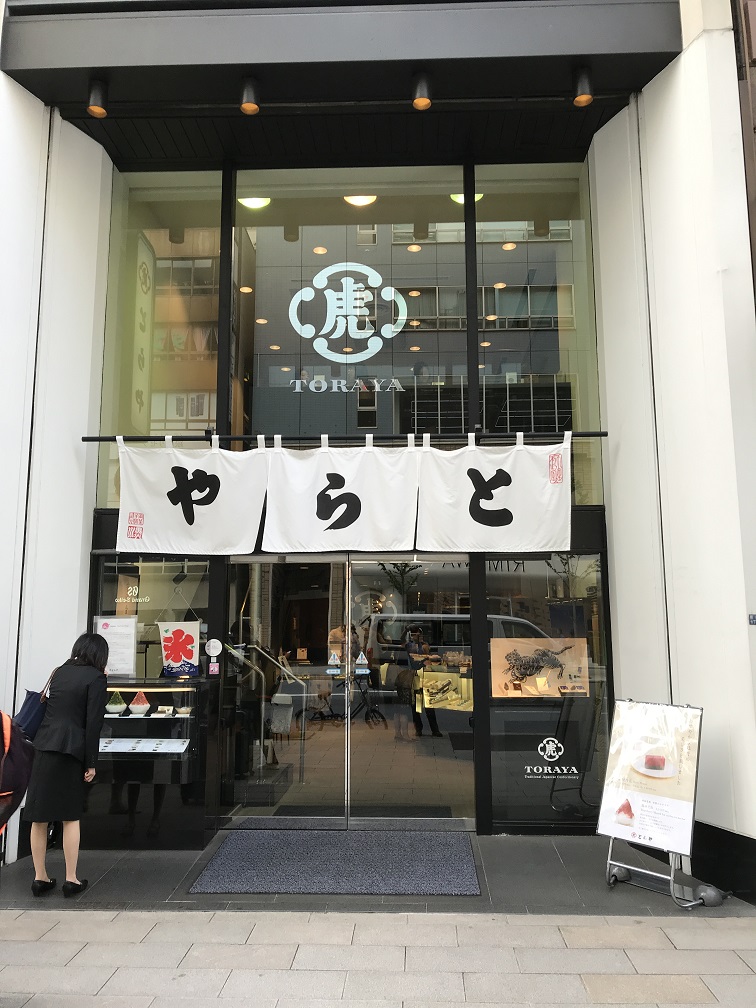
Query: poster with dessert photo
[(650, 786), (539, 667)]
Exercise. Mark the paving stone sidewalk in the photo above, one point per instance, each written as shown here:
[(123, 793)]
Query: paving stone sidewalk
[(55, 957)]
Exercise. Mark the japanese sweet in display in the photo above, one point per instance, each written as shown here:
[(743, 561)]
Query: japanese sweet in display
[(655, 762), (140, 704), (116, 704), (624, 814)]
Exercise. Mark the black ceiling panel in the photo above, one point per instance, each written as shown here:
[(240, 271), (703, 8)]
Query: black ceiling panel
[(329, 140)]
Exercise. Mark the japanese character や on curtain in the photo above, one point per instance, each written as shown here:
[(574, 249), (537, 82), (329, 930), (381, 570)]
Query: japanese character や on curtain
[(206, 501)]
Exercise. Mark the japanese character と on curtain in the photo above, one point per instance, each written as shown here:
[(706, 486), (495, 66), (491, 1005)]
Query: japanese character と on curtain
[(495, 500)]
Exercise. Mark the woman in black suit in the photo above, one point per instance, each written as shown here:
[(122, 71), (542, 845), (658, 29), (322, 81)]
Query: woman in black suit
[(67, 744)]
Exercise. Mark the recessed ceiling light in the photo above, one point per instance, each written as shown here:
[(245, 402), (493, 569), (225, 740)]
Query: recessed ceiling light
[(245, 290), (509, 246), (286, 369), (500, 285), (360, 200), (320, 250), (414, 348), (414, 248), (275, 346), (486, 343), (348, 349), (481, 365), (491, 318), (414, 293), (459, 197), (415, 322), (261, 321), (254, 202)]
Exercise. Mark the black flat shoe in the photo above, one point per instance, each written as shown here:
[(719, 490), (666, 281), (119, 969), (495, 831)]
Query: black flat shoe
[(42, 888), (74, 888)]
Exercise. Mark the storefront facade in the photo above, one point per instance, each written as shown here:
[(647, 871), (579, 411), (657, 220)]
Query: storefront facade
[(353, 266)]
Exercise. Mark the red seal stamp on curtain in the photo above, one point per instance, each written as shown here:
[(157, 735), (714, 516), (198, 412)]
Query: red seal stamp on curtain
[(136, 525), (556, 471)]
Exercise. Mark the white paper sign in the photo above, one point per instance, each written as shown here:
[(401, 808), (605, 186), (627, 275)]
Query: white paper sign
[(187, 502), (141, 745), (506, 500), (650, 787), (121, 634), (330, 499)]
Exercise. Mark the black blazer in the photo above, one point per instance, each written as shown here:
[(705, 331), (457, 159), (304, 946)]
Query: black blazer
[(74, 713)]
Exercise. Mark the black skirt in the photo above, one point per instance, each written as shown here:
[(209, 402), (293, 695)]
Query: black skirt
[(56, 788)]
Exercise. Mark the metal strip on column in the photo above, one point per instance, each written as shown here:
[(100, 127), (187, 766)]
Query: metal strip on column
[(225, 301), (348, 670), (480, 653), (217, 589), (471, 294)]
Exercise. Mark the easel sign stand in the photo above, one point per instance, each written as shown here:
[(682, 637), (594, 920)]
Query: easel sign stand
[(649, 795)]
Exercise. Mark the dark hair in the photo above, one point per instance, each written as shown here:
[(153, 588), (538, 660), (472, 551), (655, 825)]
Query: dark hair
[(90, 649)]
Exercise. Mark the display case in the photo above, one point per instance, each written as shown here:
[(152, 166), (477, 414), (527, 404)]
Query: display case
[(150, 784)]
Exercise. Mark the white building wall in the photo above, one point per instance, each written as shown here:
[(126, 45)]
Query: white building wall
[(62, 476), (23, 170), (672, 190), (24, 127)]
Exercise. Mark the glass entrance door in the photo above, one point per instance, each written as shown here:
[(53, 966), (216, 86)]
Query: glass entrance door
[(347, 692), (284, 747)]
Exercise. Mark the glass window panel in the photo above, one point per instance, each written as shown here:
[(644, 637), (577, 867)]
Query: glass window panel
[(203, 273), (548, 680), (162, 310), (296, 327), (535, 265)]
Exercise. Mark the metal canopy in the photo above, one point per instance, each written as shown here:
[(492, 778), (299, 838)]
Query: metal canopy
[(335, 82)]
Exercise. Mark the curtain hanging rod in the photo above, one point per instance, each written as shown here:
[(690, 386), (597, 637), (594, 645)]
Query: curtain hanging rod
[(356, 439)]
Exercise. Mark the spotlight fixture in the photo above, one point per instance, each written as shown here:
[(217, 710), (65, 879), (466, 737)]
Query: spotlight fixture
[(254, 202), (509, 246), (500, 285), (414, 248), (176, 235), (421, 95), (360, 201), (459, 197), (582, 88), (291, 232), (320, 250), (98, 99), (421, 231), (249, 103), (414, 293), (541, 227), (245, 290)]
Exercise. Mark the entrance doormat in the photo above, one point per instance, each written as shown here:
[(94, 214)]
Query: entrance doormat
[(342, 862)]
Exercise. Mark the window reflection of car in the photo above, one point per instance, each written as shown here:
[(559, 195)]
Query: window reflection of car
[(385, 636)]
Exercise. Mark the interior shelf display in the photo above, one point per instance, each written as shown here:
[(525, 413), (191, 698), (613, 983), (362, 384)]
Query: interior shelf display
[(150, 783)]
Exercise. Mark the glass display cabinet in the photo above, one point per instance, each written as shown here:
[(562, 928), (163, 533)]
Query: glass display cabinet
[(150, 784)]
